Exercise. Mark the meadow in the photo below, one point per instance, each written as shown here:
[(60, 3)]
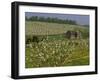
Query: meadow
[(55, 49)]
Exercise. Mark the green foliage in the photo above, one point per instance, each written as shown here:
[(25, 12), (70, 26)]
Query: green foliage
[(53, 49), (33, 38), (51, 20), (57, 53)]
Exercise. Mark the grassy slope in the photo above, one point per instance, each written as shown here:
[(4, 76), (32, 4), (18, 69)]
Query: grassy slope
[(43, 28), (57, 52)]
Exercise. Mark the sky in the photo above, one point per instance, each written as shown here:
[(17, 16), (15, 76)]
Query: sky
[(80, 19)]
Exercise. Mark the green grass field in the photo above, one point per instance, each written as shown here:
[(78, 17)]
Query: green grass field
[(56, 50)]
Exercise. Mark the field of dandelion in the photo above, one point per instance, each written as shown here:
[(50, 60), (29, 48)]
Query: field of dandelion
[(55, 50)]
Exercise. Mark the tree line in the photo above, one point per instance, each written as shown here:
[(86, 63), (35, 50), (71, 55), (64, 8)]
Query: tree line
[(51, 20)]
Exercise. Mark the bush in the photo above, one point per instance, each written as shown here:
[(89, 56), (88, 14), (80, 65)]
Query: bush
[(32, 39)]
